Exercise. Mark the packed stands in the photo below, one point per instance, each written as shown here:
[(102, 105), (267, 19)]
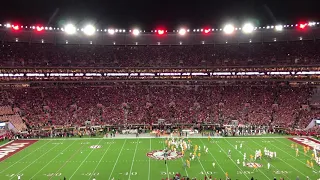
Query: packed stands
[(15, 120), (6, 110), (137, 104), (50, 55), (7, 115)]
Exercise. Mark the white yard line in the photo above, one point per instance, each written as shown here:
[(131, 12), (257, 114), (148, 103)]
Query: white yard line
[(214, 158), (114, 166), (134, 156), (185, 169), (242, 155), (149, 162), (101, 159), (52, 160), (24, 156), (36, 159), (205, 172), (232, 161), (285, 161), (83, 161), (166, 160)]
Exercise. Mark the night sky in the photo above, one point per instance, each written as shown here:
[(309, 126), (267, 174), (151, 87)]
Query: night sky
[(152, 14)]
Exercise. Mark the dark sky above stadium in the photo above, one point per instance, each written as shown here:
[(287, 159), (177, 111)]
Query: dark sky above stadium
[(151, 14)]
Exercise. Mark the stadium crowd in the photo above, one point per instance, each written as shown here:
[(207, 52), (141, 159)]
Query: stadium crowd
[(35, 55), (137, 104)]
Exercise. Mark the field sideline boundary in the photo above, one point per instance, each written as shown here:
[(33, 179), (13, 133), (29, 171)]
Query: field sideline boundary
[(164, 137)]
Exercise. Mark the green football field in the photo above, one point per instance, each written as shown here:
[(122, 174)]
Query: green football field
[(127, 159)]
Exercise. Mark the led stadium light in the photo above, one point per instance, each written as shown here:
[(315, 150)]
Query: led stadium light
[(248, 28), (111, 31), (206, 31), (161, 32), (182, 31), (228, 29), (70, 29), (89, 30), (278, 27), (302, 26), (136, 32), (311, 23), (39, 29), (15, 27)]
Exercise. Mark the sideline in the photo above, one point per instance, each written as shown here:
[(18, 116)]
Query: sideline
[(164, 137)]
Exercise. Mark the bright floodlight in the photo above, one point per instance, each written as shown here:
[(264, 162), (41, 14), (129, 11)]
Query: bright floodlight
[(89, 30), (70, 29), (279, 27), (136, 32), (111, 31), (182, 31), (228, 29), (247, 28)]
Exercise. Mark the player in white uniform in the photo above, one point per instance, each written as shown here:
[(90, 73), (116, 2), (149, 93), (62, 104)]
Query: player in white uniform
[(238, 161), (229, 153), (214, 165), (241, 146), (243, 164), (271, 154), (236, 147)]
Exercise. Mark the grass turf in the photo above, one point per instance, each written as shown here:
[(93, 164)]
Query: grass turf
[(126, 159)]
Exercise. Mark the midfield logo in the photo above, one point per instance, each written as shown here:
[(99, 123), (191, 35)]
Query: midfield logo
[(251, 165), (160, 155)]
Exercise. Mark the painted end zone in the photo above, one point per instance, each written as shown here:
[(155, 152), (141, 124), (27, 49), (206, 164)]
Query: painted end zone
[(306, 141), (14, 147)]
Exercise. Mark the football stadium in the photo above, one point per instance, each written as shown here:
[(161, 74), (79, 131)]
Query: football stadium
[(238, 100)]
